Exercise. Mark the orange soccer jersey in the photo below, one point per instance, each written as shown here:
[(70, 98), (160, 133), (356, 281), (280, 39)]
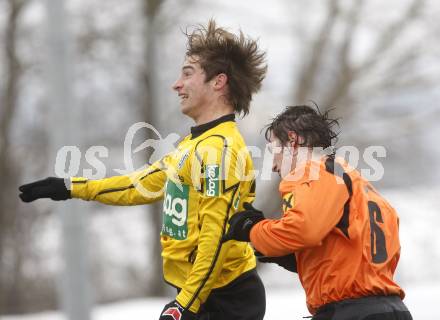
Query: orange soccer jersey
[(343, 233)]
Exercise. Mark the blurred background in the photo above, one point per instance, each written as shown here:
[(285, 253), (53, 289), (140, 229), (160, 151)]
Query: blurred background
[(82, 72)]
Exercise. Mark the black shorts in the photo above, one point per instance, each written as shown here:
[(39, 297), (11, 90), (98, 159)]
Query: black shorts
[(367, 308), (242, 299)]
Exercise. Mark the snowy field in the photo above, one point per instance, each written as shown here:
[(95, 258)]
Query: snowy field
[(421, 300)]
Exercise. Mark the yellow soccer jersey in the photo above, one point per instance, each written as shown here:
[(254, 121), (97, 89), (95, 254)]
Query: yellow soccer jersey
[(205, 181)]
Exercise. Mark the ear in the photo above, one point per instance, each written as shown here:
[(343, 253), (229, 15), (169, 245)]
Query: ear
[(220, 81), (293, 139)]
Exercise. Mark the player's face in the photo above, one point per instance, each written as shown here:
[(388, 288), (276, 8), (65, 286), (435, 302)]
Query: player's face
[(283, 156), (276, 149), (194, 92)]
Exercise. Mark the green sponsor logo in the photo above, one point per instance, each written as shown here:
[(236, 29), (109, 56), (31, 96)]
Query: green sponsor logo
[(212, 186), (175, 211)]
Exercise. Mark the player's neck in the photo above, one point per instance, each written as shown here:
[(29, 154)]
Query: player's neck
[(212, 113), (301, 158)]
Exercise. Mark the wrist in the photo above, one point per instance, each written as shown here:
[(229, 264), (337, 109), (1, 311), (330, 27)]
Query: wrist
[(184, 297), (68, 184), (78, 187), (174, 310)]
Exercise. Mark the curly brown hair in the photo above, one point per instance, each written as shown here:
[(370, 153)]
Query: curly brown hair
[(219, 51)]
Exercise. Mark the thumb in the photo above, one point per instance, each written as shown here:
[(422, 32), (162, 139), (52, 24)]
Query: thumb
[(26, 197), (248, 206)]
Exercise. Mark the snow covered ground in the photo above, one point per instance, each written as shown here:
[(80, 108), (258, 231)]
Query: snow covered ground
[(421, 300)]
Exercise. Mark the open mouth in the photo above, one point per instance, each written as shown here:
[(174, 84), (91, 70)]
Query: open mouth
[(183, 97)]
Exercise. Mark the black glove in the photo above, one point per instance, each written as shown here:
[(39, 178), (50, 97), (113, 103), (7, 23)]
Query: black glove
[(174, 311), (288, 262), (53, 188), (241, 223)]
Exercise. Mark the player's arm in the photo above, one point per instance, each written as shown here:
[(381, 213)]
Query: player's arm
[(141, 187), (216, 206), (318, 207), (137, 188)]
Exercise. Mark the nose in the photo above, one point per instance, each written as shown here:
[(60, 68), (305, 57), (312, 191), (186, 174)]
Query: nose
[(177, 85)]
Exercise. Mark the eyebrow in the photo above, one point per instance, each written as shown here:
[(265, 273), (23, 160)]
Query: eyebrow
[(188, 67)]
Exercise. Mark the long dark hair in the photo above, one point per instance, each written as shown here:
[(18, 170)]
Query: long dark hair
[(316, 128)]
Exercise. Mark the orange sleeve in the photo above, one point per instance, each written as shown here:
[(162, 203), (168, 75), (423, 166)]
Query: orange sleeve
[(318, 207)]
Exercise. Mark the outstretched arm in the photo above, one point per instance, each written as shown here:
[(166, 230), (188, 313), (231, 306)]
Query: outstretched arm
[(137, 188)]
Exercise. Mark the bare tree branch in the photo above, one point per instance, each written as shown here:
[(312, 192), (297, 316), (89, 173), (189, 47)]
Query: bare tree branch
[(309, 72), (391, 36), (416, 83), (14, 70), (9, 101), (346, 73), (402, 126), (154, 216)]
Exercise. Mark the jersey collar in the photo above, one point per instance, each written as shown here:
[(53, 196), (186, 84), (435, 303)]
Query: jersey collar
[(198, 130)]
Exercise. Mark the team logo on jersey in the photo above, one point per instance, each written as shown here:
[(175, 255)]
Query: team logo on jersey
[(175, 211), (288, 201), (212, 181), (183, 159)]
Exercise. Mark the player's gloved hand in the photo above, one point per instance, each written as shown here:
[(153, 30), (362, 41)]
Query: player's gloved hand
[(241, 223), (53, 188), (288, 262), (174, 311)]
